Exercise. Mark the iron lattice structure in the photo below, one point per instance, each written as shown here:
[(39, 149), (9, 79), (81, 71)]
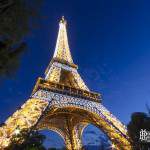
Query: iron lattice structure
[(63, 103)]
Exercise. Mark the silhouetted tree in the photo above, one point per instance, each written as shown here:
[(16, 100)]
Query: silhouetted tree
[(27, 141), (139, 120), (15, 24), (9, 57)]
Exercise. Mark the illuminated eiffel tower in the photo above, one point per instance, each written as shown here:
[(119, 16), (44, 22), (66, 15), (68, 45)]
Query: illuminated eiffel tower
[(63, 103)]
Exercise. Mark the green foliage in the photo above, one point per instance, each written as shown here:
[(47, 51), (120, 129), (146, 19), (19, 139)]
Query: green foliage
[(27, 141), (138, 121)]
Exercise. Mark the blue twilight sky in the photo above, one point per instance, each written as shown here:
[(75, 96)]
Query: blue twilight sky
[(109, 40)]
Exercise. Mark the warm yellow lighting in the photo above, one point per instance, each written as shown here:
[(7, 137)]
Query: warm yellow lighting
[(17, 131), (113, 146), (63, 92), (62, 50)]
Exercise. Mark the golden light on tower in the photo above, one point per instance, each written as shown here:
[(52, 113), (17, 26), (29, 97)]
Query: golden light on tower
[(62, 102), (17, 132), (113, 146)]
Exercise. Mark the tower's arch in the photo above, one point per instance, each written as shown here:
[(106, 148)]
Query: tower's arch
[(95, 138), (53, 129), (53, 138), (72, 118)]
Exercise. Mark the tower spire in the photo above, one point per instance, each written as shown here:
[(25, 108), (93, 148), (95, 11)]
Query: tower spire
[(61, 69), (62, 50)]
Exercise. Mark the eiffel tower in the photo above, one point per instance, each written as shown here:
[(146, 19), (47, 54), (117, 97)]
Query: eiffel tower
[(63, 103)]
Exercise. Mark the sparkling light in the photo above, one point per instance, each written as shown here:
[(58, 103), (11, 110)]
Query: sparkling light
[(113, 146), (17, 131)]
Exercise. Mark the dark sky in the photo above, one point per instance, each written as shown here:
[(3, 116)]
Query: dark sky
[(110, 42)]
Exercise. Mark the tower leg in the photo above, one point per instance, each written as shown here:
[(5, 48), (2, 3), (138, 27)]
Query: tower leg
[(73, 141), (72, 137)]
